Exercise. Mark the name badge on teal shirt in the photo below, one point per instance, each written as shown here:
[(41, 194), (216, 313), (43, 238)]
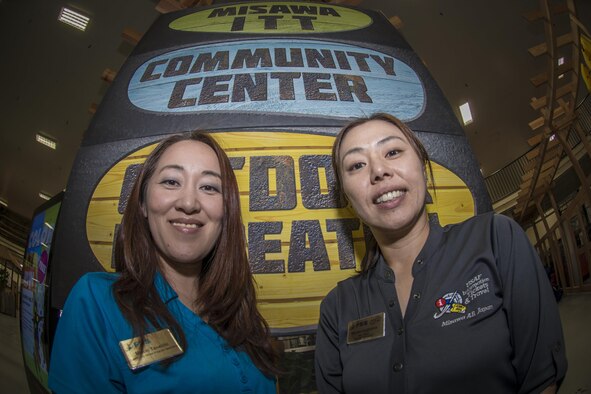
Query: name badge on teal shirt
[(158, 346), (366, 328)]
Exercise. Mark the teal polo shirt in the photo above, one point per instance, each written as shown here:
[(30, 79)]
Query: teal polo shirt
[(86, 357)]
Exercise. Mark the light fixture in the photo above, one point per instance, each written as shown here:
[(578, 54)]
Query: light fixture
[(73, 18), (44, 196), (552, 137), (466, 114), (3, 202), (560, 63), (45, 140)]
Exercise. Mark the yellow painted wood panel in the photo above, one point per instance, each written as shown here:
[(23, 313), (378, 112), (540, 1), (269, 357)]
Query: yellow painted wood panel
[(295, 314)]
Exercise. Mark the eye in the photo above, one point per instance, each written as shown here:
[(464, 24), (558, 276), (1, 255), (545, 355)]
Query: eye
[(170, 182), (392, 153), (211, 188), (356, 166)]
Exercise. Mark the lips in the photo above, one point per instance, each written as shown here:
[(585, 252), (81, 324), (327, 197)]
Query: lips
[(389, 196), (186, 223)]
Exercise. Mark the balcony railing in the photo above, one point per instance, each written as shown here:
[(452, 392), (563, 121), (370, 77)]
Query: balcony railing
[(507, 180)]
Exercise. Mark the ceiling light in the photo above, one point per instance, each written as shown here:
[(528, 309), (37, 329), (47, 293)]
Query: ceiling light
[(47, 141), (552, 137), (561, 61), (3, 202), (44, 196), (466, 114), (73, 18)]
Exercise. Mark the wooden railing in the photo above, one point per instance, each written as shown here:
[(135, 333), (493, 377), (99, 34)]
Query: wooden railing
[(507, 180)]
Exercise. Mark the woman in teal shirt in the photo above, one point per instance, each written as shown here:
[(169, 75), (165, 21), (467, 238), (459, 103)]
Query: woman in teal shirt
[(180, 316)]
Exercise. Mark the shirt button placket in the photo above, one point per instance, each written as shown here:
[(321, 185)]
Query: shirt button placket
[(236, 362)]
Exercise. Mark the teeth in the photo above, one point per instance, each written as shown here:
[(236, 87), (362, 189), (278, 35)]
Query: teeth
[(185, 225), (389, 196)]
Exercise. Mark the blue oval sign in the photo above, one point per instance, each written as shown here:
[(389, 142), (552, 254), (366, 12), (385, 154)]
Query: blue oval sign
[(306, 77)]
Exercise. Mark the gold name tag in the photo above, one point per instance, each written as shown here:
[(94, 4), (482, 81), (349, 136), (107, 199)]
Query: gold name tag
[(158, 346), (366, 329)]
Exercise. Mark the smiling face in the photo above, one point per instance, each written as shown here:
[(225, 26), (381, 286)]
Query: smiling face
[(383, 178), (184, 203)]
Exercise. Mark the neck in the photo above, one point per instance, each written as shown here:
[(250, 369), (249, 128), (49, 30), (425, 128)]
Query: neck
[(184, 279), (401, 249)]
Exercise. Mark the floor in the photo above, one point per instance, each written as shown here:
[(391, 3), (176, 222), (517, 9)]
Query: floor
[(575, 311), (12, 373)]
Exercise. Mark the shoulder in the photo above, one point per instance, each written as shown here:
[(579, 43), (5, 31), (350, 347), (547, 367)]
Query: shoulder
[(487, 219), (93, 288), (476, 230), (95, 283), (478, 221), (489, 223), (344, 289), (92, 298)]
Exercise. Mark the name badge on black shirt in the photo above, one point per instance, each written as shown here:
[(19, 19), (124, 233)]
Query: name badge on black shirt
[(367, 328)]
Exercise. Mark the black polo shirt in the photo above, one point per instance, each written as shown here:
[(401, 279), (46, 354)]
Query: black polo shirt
[(481, 318)]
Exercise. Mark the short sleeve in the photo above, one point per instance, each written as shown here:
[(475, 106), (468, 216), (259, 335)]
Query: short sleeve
[(81, 360), (534, 322), (327, 356)]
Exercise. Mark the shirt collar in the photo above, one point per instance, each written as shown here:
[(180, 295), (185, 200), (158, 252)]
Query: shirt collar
[(384, 271), (165, 291), (433, 241)]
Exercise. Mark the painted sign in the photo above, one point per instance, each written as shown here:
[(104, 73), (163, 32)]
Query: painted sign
[(273, 82), (278, 76), (273, 18), (302, 239)]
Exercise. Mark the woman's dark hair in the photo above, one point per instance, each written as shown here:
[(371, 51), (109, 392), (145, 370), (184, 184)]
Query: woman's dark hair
[(371, 246), (226, 291)]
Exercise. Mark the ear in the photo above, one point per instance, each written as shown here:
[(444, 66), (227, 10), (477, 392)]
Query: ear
[(144, 211)]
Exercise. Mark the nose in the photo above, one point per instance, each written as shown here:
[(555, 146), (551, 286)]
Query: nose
[(188, 201), (379, 170)]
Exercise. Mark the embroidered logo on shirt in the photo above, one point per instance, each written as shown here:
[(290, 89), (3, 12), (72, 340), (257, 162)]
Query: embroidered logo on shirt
[(457, 302), (449, 303), (476, 287)]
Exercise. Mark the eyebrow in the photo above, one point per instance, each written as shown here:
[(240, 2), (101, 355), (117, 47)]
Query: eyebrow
[(380, 142), (181, 168)]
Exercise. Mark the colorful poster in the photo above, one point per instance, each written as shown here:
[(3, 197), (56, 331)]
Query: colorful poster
[(33, 292)]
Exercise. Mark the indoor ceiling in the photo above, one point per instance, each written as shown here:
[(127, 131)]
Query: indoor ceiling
[(51, 75)]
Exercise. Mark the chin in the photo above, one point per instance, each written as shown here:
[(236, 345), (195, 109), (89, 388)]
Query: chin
[(182, 260)]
